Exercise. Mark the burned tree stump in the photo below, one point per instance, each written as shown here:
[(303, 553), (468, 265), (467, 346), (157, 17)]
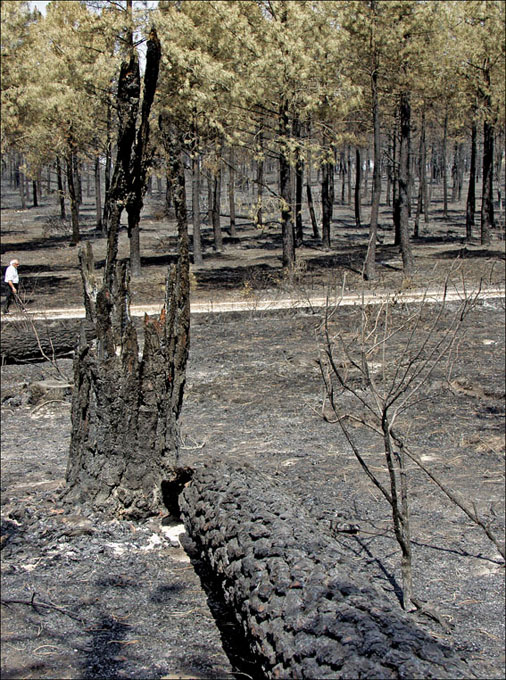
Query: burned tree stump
[(124, 443)]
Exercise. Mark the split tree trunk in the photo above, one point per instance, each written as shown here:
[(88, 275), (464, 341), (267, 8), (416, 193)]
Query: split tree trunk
[(124, 457)]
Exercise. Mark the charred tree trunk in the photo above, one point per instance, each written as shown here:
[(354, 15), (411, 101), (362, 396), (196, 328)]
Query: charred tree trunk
[(61, 191), (358, 181), (124, 457), (285, 190), (74, 202), (216, 198), (327, 201), (487, 194), (444, 166), (471, 193), (259, 180), (128, 184), (299, 183), (142, 156), (370, 258), (403, 195), (231, 192), (98, 195), (310, 204), (197, 239)]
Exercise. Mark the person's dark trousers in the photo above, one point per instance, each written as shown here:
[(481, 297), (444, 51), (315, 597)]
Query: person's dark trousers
[(9, 297)]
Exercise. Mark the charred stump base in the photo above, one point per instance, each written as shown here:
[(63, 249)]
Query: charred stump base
[(124, 441), (301, 608)]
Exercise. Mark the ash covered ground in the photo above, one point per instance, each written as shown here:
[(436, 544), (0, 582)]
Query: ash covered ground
[(123, 600)]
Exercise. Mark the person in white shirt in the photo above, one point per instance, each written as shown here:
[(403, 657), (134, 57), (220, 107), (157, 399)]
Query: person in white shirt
[(12, 282)]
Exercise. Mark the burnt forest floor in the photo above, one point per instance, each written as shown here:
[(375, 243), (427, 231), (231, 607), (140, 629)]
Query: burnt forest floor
[(119, 599)]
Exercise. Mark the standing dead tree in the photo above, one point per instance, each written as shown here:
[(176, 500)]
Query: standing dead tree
[(385, 382), (124, 455)]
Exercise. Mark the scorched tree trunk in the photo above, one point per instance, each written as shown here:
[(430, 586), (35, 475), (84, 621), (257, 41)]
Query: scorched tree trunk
[(124, 457)]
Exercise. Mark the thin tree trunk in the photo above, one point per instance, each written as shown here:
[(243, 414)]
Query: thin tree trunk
[(299, 179), (76, 171), (358, 180), (231, 193), (422, 187), (444, 169), (260, 181), (197, 240), (327, 201), (107, 169), (471, 192), (34, 191), (316, 233), (21, 185), (98, 195), (74, 203), (348, 176), (403, 208), (285, 186), (61, 192), (370, 258), (218, 236), (487, 200)]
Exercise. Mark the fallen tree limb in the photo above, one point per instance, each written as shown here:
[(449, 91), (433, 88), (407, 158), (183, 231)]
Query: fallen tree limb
[(26, 340)]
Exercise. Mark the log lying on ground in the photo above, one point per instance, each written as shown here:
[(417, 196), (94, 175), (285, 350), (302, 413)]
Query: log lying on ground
[(304, 610), (28, 340)]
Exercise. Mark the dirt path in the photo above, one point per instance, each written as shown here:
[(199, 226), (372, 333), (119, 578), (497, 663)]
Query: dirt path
[(430, 295)]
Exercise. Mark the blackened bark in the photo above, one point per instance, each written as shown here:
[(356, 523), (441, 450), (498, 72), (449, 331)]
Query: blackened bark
[(285, 190), (231, 192), (327, 200), (421, 177), (358, 181), (108, 168), (370, 258), (403, 196), (299, 179), (61, 192), (487, 201), (197, 240), (259, 179), (142, 156), (471, 192), (29, 340), (444, 168), (74, 202), (316, 233), (128, 184), (216, 209), (124, 453), (98, 195)]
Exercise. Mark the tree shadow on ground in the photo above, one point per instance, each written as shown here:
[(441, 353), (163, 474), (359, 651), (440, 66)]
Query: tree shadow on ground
[(465, 254)]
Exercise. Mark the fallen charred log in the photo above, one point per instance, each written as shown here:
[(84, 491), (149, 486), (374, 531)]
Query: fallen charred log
[(26, 340), (302, 609)]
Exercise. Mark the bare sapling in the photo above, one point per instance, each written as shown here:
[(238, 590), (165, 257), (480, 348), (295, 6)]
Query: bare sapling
[(379, 375)]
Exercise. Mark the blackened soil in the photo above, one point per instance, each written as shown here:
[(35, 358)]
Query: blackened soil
[(123, 599)]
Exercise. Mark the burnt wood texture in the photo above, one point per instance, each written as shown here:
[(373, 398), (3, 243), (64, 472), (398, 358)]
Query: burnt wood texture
[(303, 609)]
